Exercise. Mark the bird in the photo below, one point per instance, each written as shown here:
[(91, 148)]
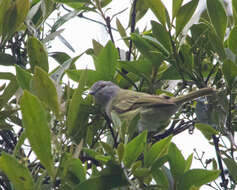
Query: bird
[(154, 110)]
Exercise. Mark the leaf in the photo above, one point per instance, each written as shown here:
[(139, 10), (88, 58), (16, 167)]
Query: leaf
[(52, 36), (65, 42), (141, 9), (37, 54), (75, 75), (160, 176), (122, 31), (10, 90), (97, 47), (57, 74), (72, 170), (230, 72), (141, 68), (232, 168), (110, 177), (63, 20), (134, 148), (232, 40), (184, 14), (158, 9), (60, 57), (217, 44), (161, 34), (7, 59), (14, 16), (206, 130), (4, 6), (218, 17), (23, 78), (77, 116), (189, 162), (46, 90), (37, 129), (176, 4), (18, 174), (234, 9), (176, 161), (197, 177), (148, 50), (157, 150), (106, 61), (120, 151)]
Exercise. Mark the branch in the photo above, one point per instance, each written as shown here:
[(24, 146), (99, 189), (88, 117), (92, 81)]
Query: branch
[(224, 181), (133, 23), (108, 121)]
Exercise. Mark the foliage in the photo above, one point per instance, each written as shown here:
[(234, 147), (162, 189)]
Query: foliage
[(75, 144)]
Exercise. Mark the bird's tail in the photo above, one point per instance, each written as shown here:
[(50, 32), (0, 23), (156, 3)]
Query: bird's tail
[(193, 95)]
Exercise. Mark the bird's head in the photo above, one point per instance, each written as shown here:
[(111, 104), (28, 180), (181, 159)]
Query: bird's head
[(103, 92)]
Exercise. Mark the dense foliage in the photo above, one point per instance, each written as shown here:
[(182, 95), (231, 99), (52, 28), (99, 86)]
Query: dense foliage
[(53, 136)]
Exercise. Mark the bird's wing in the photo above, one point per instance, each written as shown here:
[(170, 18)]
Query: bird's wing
[(128, 101)]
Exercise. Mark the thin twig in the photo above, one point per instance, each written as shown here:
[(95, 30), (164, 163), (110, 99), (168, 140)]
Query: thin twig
[(108, 24), (224, 181), (133, 24), (80, 15), (108, 121)]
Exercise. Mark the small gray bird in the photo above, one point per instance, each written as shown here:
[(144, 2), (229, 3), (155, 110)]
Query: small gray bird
[(154, 110)]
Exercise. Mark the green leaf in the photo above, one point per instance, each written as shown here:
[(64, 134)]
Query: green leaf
[(157, 151), (148, 50), (141, 9), (232, 168), (176, 4), (37, 54), (97, 47), (158, 9), (218, 17), (197, 177), (77, 116), (134, 148), (110, 177), (189, 162), (75, 75), (4, 6), (184, 14), (72, 170), (14, 16), (234, 9), (11, 88), (161, 178), (60, 57), (141, 68), (6, 59), (106, 61), (232, 40), (230, 72), (217, 44), (23, 78), (46, 90), (122, 31), (18, 174), (206, 130), (58, 73), (176, 161), (120, 151), (63, 20), (161, 34), (37, 129)]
